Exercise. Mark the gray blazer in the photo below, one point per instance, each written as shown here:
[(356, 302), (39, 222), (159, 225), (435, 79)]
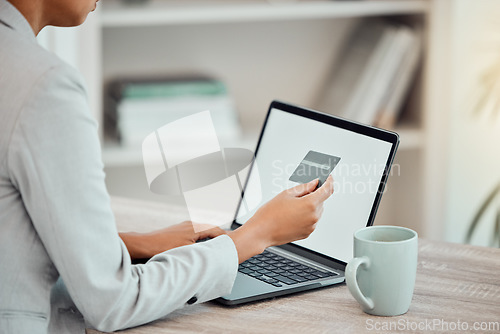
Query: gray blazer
[(56, 224)]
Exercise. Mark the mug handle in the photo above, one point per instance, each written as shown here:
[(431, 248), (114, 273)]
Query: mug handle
[(350, 277)]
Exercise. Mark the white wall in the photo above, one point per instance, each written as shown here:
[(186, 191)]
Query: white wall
[(474, 159)]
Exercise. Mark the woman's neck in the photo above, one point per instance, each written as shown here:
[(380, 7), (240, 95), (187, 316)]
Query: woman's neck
[(32, 11)]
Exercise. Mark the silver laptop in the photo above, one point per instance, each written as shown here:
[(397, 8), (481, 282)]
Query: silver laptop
[(297, 145)]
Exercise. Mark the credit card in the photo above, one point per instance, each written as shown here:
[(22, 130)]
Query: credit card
[(315, 165)]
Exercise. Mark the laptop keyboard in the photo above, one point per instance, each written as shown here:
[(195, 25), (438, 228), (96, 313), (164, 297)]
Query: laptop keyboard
[(280, 271)]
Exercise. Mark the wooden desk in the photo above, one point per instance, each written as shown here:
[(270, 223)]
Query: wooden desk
[(455, 283)]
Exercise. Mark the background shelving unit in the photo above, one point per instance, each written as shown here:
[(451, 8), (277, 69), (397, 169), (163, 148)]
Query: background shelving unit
[(265, 50), (203, 12)]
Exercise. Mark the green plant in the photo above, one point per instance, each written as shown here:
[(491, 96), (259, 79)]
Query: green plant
[(490, 201), (488, 92)]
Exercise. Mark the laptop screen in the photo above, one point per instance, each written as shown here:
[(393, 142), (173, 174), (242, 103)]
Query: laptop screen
[(296, 147)]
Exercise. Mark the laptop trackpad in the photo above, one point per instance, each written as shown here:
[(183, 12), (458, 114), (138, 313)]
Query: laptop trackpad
[(246, 286)]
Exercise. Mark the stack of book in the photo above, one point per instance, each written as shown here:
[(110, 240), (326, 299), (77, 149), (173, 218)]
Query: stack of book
[(371, 80), (135, 108)]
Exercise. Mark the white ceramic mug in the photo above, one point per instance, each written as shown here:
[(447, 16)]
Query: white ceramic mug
[(381, 276)]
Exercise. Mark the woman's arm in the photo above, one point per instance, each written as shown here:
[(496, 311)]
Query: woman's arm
[(147, 245)]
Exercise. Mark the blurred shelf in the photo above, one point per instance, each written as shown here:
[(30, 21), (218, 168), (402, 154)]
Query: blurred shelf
[(115, 156), (116, 14)]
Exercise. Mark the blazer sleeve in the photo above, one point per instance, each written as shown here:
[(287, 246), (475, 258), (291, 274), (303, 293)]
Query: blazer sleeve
[(55, 163)]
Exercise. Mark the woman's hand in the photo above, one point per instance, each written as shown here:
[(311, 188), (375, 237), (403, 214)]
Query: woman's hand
[(146, 245), (290, 216)]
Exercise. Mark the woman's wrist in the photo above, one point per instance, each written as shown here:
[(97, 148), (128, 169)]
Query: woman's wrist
[(249, 241), (136, 245)]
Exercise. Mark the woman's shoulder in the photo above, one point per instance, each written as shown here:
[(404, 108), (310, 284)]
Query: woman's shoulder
[(27, 68), (25, 62)]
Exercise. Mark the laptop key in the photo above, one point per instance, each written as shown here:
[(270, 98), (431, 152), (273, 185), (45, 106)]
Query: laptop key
[(271, 274), (264, 271), (297, 278), (285, 280), (268, 267), (295, 271), (278, 284), (245, 271), (278, 271), (254, 274), (266, 279), (310, 277)]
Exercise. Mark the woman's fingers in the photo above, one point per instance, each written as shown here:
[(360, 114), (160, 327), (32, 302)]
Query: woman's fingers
[(207, 231), (303, 189), (323, 192)]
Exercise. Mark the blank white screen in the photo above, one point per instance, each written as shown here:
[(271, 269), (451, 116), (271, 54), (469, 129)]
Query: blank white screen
[(285, 142)]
